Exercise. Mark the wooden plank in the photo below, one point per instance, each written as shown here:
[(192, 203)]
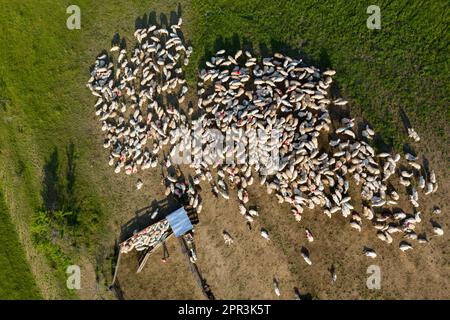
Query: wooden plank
[(144, 260), (117, 268), (150, 252)]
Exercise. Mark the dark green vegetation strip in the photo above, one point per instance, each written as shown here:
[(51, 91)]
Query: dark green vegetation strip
[(405, 65), (16, 279)]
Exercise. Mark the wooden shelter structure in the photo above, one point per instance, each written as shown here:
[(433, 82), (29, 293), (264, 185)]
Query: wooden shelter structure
[(153, 236)]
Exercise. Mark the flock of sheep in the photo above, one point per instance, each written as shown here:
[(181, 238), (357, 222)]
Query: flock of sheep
[(150, 237), (276, 113)]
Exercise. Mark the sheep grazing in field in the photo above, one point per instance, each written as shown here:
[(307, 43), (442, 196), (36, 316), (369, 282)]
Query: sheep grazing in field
[(305, 255), (355, 225), (368, 133), (154, 214), (227, 238), (279, 108), (405, 246), (437, 229), (333, 274), (265, 234), (370, 253), (309, 235), (276, 287), (130, 85), (413, 135)]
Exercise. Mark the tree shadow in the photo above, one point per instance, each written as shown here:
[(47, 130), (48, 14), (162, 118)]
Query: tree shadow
[(434, 224), (50, 183), (70, 176), (58, 184)]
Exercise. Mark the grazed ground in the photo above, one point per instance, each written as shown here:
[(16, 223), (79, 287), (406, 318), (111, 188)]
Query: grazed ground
[(245, 270)]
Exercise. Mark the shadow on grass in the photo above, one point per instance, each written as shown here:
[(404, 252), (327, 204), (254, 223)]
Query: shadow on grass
[(57, 193), (50, 183), (405, 120)]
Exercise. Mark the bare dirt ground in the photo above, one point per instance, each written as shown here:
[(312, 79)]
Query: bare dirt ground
[(245, 270), (158, 280)]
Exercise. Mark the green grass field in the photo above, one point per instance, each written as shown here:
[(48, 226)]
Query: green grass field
[(46, 147), (16, 279)]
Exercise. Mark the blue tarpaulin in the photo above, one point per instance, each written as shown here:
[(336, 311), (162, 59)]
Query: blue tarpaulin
[(179, 222)]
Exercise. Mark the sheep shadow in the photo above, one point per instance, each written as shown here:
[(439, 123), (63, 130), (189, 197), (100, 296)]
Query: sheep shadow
[(434, 224), (404, 118), (164, 21), (377, 140)]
